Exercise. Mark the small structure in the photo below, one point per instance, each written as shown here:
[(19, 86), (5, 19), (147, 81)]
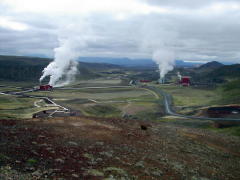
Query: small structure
[(132, 82), (179, 76), (223, 111), (46, 87), (185, 81)]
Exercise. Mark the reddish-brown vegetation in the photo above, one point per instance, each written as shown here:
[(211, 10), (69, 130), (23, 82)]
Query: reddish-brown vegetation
[(97, 148)]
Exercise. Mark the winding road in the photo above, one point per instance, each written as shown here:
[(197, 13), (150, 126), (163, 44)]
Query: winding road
[(168, 103)]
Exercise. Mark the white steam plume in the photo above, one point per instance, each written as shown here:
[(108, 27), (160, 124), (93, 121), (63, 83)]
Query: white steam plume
[(72, 41), (165, 60), (63, 68), (159, 42)]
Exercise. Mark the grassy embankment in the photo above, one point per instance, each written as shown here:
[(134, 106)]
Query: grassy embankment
[(231, 92), (230, 95), (15, 107), (189, 99), (18, 107)]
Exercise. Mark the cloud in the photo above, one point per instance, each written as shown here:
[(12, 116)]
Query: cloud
[(195, 30), (12, 25)]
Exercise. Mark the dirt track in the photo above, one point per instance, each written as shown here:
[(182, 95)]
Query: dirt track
[(97, 148)]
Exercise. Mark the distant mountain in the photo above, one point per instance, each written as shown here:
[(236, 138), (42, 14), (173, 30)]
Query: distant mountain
[(211, 65), (205, 69), (215, 72), (181, 63), (134, 62), (119, 61)]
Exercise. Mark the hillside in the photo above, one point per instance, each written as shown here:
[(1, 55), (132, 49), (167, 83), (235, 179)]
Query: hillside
[(231, 92), (227, 71), (211, 65), (21, 68), (111, 148), (221, 74), (212, 72)]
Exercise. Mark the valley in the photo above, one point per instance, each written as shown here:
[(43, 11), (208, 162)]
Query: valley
[(105, 127)]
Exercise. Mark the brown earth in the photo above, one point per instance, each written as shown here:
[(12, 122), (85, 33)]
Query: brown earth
[(100, 148)]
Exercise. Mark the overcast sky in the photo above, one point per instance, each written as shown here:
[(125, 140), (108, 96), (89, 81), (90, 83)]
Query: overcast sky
[(195, 30)]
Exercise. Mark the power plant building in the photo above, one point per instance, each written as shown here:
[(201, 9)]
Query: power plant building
[(185, 81), (45, 87)]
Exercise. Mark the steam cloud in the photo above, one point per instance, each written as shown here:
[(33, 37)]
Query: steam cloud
[(165, 59), (72, 41), (158, 41), (63, 69)]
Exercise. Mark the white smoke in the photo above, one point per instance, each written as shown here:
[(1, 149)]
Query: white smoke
[(165, 59), (159, 42), (179, 76), (72, 41), (63, 68)]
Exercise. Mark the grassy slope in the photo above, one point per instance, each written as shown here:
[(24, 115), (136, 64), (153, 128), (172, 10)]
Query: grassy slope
[(189, 96), (14, 107), (227, 71), (99, 148), (21, 68), (228, 93), (231, 92), (229, 130)]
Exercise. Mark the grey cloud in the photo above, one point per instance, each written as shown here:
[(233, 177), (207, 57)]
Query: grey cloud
[(185, 4), (192, 35)]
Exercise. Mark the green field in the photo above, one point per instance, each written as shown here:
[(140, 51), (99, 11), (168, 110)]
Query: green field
[(24, 84), (230, 92), (16, 107), (98, 82), (4, 89), (190, 100), (189, 96), (106, 102), (94, 94)]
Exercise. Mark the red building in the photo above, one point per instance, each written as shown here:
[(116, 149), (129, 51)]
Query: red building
[(145, 81), (46, 87), (185, 81)]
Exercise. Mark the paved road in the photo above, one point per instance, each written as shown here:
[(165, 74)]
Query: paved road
[(168, 104)]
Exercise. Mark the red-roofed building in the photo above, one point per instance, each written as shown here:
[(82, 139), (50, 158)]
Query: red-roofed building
[(145, 81), (46, 87), (185, 81)]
